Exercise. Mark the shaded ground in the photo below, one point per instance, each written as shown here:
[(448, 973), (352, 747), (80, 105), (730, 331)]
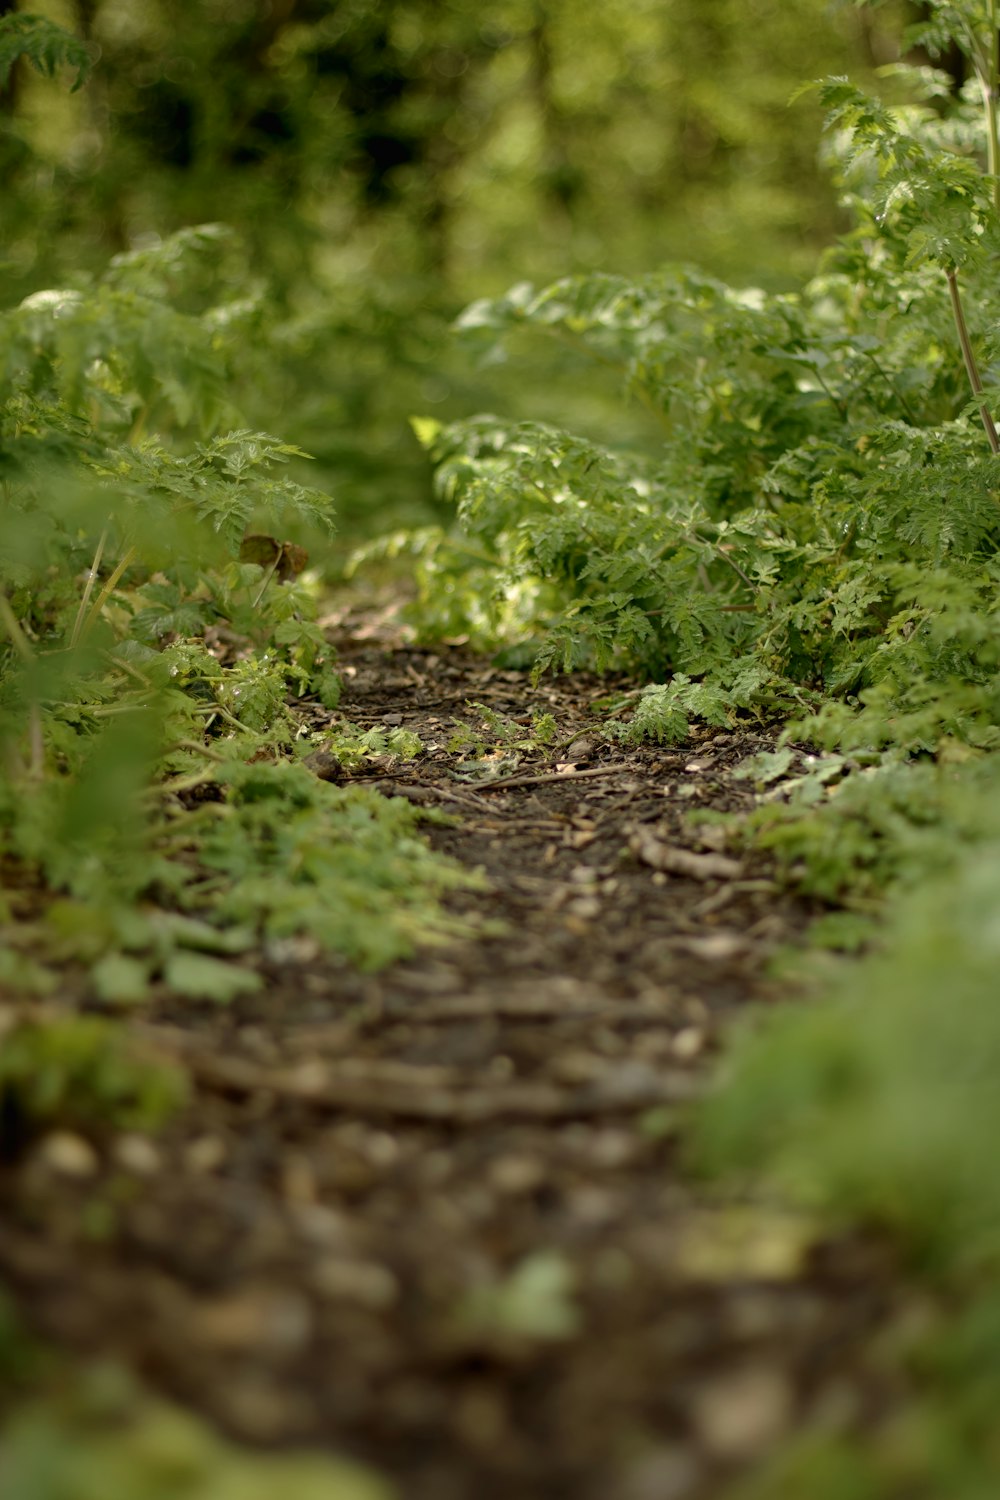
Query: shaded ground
[(435, 1217)]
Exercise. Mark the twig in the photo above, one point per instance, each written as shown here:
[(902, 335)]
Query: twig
[(417, 792), (684, 862), (385, 1095), (510, 781)]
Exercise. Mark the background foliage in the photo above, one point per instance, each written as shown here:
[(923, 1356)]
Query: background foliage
[(793, 511), (385, 162)]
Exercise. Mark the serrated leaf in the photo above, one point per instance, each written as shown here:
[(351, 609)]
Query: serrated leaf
[(197, 976), (120, 980)]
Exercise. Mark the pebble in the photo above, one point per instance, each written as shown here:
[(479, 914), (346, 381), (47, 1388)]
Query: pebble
[(688, 1043), (138, 1154), (206, 1154), (739, 1415), (664, 1474), (361, 1281), (271, 1321), (517, 1174), (69, 1155)]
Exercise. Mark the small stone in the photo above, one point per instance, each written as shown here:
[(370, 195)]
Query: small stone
[(664, 1474), (206, 1154), (612, 1148), (381, 1149), (576, 1067), (309, 1078), (593, 1205), (322, 1225), (70, 1155), (738, 1416), (715, 947), (517, 1174), (584, 908), (361, 1281), (137, 1153), (688, 1043), (272, 1321)]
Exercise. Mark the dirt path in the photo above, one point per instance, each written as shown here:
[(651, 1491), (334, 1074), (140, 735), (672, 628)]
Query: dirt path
[(435, 1217)]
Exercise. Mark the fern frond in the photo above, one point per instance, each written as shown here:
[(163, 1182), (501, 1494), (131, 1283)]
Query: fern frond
[(45, 45)]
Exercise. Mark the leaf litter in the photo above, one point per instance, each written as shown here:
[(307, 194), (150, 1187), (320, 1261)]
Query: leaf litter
[(434, 1218)]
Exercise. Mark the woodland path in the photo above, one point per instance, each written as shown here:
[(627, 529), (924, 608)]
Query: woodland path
[(437, 1217)]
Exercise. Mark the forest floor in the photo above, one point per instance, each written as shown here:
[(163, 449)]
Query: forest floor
[(438, 1217)]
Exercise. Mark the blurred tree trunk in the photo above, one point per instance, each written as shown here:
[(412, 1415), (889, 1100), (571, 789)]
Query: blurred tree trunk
[(560, 182)]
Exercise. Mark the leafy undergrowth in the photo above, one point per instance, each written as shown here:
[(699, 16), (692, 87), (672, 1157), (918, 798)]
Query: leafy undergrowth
[(818, 537), (157, 643), (878, 1105), (103, 1437)]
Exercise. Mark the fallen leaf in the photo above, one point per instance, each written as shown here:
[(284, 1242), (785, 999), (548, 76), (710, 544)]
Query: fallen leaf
[(287, 559)]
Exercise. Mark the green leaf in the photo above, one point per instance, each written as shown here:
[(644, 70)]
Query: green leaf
[(198, 976), (120, 980), (44, 44)]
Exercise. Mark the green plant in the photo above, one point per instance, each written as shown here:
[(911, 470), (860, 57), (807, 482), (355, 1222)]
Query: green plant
[(156, 640), (817, 534), (45, 45), (877, 1105), (498, 742), (103, 1437), (77, 1072)]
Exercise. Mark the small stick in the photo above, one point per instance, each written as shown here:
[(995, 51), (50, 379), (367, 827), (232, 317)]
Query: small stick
[(506, 781)]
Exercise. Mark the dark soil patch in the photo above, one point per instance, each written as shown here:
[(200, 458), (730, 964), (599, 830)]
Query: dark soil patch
[(436, 1217)]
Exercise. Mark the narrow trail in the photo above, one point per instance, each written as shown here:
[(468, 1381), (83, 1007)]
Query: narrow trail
[(436, 1217)]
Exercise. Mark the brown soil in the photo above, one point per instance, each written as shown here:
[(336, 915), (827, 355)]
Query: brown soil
[(439, 1217)]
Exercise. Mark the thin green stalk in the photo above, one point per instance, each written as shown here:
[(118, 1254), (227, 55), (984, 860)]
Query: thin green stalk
[(103, 597), (18, 638), (23, 647), (969, 358), (267, 579), (894, 388), (839, 406), (81, 613)]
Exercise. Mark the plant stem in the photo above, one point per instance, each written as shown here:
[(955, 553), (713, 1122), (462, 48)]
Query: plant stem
[(22, 646), (81, 613), (968, 355), (894, 388), (102, 598), (18, 638)]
